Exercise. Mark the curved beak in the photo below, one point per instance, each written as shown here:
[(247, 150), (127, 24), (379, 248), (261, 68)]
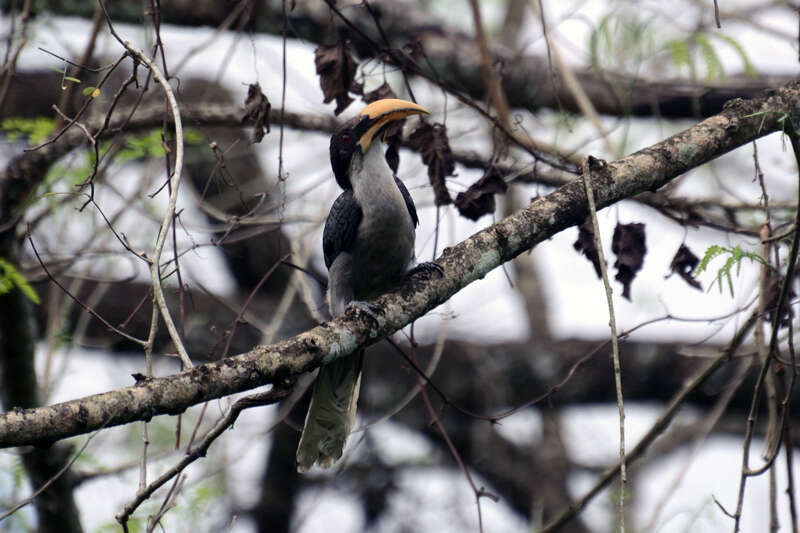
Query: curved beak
[(381, 112)]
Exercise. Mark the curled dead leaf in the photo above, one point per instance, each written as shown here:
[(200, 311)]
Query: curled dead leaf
[(432, 143), (683, 264), (384, 91), (478, 199), (256, 110), (586, 245), (337, 73), (629, 246)]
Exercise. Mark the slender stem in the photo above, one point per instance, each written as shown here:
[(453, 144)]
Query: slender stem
[(155, 273), (658, 427), (612, 323), (771, 354)]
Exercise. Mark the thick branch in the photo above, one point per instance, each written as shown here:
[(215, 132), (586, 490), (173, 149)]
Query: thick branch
[(648, 169)]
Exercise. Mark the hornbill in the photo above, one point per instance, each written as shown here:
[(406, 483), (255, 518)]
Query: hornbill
[(368, 243)]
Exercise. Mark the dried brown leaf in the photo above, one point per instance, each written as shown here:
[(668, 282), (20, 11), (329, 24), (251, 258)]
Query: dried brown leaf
[(587, 246), (256, 110), (683, 264), (629, 246), (337, 72), (384, 91), (431, 141), (478, 199)]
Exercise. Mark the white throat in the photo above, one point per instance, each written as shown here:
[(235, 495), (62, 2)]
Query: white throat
[(371, 177)]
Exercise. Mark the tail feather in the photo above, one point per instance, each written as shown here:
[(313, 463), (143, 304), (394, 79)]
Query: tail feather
[(331, 413)]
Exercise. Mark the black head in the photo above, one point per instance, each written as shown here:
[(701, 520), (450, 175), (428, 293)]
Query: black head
[(357, 134), (344, 144)]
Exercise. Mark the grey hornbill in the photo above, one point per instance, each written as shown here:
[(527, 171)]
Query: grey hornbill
[(368, 242)]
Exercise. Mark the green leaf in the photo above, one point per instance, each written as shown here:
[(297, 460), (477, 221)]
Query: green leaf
[(36, 129), (599, 38), (679, 50), (70, 78), (10, 277), (749, 69), (714, 66)]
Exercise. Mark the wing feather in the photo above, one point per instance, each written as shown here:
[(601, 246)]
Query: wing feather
[(341, 226)]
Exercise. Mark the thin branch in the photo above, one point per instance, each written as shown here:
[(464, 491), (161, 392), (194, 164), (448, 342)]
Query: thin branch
[(83, 306), (17, 506), (571, 81), (771, 354), (612, 324), (174, 181), (657, 428), (255, 400), (10, 61)]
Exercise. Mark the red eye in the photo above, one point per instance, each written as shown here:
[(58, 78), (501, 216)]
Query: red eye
[(345, 138)]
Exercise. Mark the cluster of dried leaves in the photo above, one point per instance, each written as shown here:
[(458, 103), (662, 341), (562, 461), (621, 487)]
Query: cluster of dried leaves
[(337, 70), (629, 245)]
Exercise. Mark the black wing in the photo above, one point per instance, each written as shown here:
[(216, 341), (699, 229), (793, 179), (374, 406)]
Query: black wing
[(341, 226), (412, 210)]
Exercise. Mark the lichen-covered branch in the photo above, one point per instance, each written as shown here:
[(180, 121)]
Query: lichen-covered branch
[(646, 170)]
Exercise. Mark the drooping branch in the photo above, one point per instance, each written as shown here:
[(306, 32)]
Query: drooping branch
[(451, 56), (648, 169)]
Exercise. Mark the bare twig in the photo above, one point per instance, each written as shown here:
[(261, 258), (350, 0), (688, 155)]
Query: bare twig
[(771, 354), (572, 83), (478, 492), (17, 506), (83, 306), (415, 390), (705, 426), (174, 181), (612, 324), (657, 428), (64, 102), (274, 395), (10, 61), (496, 94), (221, 29), (80, 125)]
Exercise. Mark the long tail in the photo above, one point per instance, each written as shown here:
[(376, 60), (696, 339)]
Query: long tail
[(331, 413)]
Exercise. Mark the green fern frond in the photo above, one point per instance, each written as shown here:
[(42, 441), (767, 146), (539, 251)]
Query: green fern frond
[(712, 252), (679, 51), (749, 69), (714, 66), (735, 257)]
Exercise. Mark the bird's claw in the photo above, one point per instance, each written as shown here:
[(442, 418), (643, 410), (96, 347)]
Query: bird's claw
[(369, 309), (428, 267)]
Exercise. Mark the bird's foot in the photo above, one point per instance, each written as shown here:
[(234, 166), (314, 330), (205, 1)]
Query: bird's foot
[(369, 309), (428, 267)]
